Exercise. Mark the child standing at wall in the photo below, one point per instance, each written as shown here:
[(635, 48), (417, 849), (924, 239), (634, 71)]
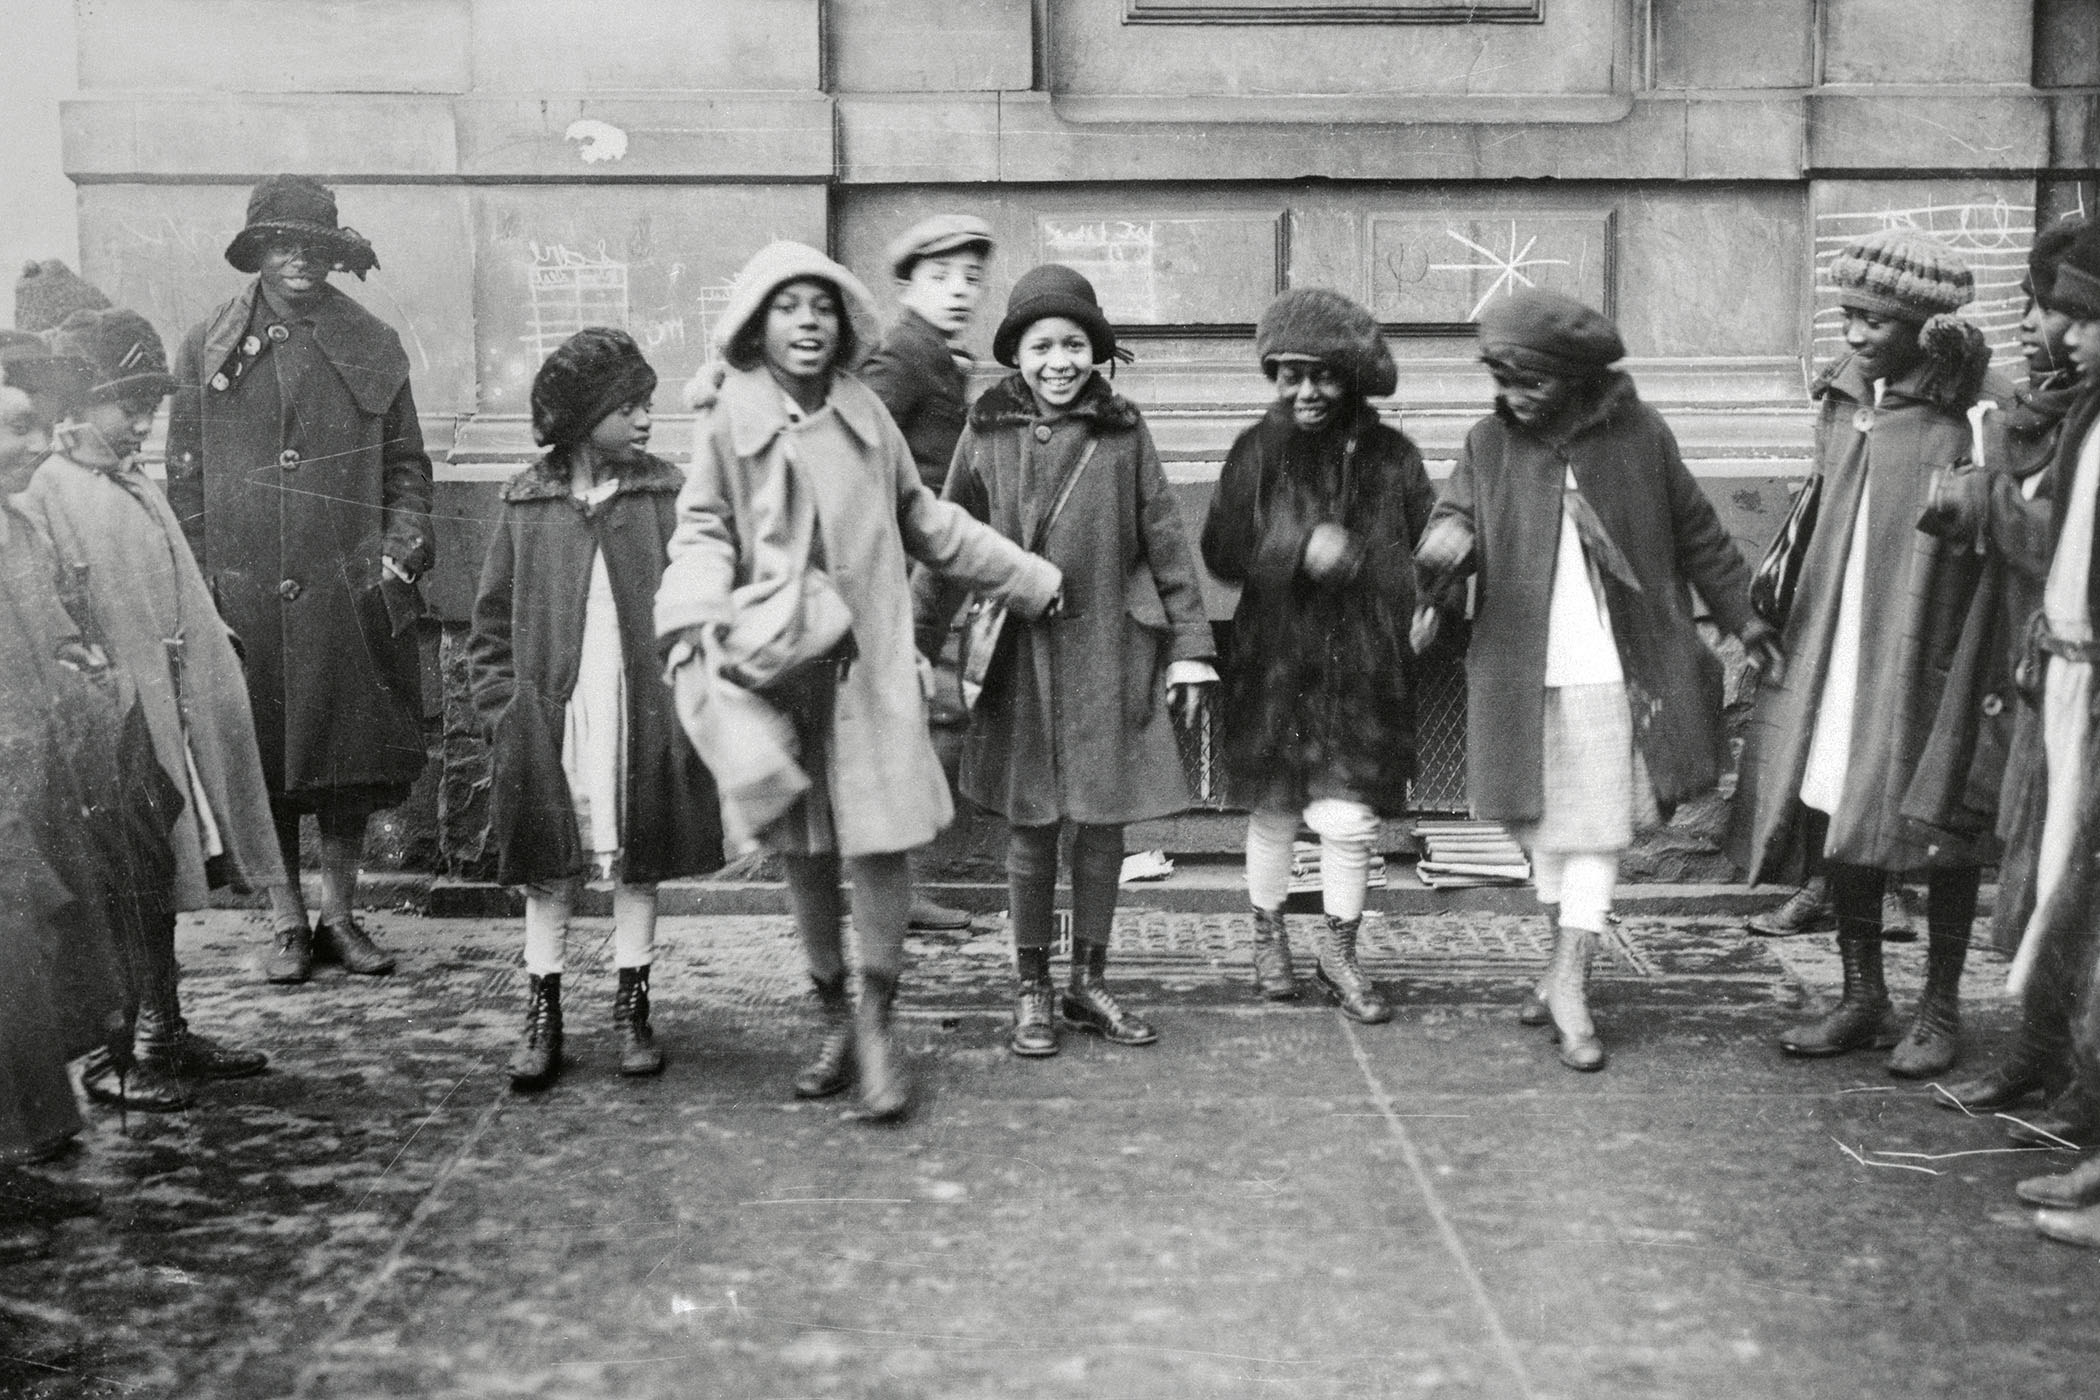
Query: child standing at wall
[(788, 613), (1593, 707), (1072, 726), (588, 768), (1316, 518)]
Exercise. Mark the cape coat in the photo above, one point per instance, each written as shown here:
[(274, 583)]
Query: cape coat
[(915, 375), (522, 661), (1319, 695), (1508, 488), (736, 516), (295, 461), (1073, 721), (116, 535), (1918, 593)]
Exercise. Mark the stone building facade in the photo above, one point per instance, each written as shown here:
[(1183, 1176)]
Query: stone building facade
[(526, 167)]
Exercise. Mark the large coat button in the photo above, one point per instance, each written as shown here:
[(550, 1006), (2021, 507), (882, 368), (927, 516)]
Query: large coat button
[(288, 590), (279, 334), (1042, 432), (289, 458), (251, 346), (220, 382), (1993, 705)]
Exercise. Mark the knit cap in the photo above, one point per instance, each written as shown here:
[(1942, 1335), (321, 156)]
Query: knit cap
[(590, 374), (26, 363), (1317, 324), (2075, 290), (1900, 272), (1548, 333), (47, 292), (124, 349)]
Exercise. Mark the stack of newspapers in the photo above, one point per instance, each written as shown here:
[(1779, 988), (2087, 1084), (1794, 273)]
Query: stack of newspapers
[(1305, 868), (1457, 855)]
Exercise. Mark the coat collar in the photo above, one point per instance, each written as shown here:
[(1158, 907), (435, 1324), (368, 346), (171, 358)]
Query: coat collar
[(921, 336), (548, 479), (1009, 404), (361, 347), (1847, 380), (1611, 394), (757, 410)]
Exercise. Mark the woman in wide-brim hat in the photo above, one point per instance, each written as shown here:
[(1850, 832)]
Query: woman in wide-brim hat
[(299, 209)]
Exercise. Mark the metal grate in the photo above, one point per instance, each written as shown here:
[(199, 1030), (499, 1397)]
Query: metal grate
[(1440, 741)]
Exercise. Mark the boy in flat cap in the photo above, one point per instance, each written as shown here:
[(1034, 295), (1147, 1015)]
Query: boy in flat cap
[(922, 375), (296, 463)]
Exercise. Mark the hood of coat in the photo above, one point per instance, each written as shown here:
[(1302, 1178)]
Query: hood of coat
[(548, 479), (1607, 396), (364, 349), (1009, 404)]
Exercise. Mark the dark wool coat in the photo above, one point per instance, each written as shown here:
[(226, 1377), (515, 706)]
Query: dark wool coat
[(1918, 594), (1319, 697), (1073, 722), (522, 659), (915, 375), (1508, 488), (295, 460)]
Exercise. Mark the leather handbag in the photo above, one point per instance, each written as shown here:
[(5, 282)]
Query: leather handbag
[(986, 623), (1779, 572)]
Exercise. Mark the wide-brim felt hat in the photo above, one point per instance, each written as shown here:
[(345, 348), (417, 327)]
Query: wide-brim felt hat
[(779, 263), (301, 207), (123, 350), (1053, 290)]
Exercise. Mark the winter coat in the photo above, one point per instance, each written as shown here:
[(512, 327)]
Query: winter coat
[(915, 375), (64, 983), (1508, 489), (522, 660), (1918, 593), (1319, 697), (295, 461), (736, 515), (116, 534), (1073, 721)]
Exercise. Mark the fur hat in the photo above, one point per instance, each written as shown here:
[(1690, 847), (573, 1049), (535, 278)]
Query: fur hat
[(1053, 290), (773, 267), (124, 351), (930, 238), (2075, 289), (1901, 273), (2050, 245), (1547, 333), (1314, 323), (47, 292), (590, 374), (301, 207)]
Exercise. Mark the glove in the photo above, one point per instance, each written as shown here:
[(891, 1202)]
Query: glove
[(1762, 650)]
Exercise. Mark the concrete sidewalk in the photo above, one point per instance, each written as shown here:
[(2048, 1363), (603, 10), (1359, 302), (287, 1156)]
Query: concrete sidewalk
[(1272, 1202)]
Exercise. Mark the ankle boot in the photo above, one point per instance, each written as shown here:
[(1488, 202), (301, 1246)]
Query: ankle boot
[(1566, 993), (2071, 1190), (885, 1084), (1089, 1005), (292, 960), (830, 1070), (191, 1055), (1274, 979), (1035, 1028), (1342, 978), (2038, 1063), (345, 941), (1531, 1011), (2069, 1120), (1862, 1018), (638, 1052), (536, 1063), (148, 1084), (1933, 1042)]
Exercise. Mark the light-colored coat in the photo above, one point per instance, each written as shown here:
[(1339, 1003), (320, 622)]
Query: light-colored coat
[(115, 534), (737, 524)]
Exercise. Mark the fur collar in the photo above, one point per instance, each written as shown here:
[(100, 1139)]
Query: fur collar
[(1008, 404), (548, 479), (1610, 395)]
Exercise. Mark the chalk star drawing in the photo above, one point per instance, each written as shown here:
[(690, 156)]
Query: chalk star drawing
[(1508, 268)]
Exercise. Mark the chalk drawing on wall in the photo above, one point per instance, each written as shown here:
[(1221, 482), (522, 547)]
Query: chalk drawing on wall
[(1991, 236), (571, 289), (1444, 269), (1209, 269)]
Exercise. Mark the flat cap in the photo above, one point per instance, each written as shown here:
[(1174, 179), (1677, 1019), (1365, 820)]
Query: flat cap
[(929, 238)]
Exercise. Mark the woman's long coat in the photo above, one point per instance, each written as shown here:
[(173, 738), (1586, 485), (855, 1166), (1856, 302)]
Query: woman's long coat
[(883, 780), (295, 461), (1918, 593), (119, 540), (522, 659), (1508, 488), (1319, 699), (1073, 721)]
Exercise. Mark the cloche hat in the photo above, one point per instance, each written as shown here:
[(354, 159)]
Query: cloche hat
[(304, 208)]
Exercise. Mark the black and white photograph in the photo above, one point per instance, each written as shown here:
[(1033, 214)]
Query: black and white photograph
[(1049, 699)]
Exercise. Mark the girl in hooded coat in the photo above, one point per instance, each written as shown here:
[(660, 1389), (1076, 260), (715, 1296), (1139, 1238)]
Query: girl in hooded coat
[(1072, 727), (1316, 518), (1592, 704), (588, 767), (787, 610), (1835, 741)]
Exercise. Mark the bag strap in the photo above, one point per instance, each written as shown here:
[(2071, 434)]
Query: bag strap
[(1064, 493)]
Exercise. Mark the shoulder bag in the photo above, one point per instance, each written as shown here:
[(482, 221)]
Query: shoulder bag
[(986, 621)]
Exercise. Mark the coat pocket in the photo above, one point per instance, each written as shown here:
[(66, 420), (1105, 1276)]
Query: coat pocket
[(1146, 633)]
